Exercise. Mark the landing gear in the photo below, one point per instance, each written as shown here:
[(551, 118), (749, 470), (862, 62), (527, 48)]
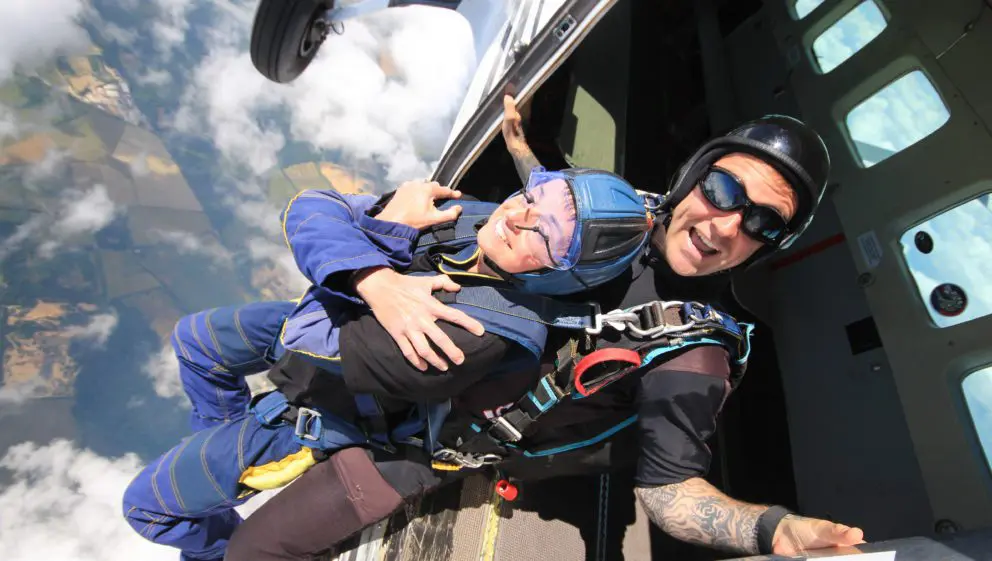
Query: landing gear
[(286, 36)]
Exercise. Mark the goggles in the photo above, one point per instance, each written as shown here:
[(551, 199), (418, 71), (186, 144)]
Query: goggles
[(551, 219), (726, 192)]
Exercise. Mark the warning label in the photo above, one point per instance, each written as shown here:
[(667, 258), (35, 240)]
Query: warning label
[(871, 249)]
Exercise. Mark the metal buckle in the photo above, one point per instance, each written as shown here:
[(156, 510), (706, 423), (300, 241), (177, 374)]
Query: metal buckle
[(597, 319), (503, 424), (303, 417), (664, 328), (471, 461)]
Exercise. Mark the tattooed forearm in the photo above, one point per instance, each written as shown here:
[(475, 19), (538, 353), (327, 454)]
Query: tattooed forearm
[(697, 512), (524, 160)]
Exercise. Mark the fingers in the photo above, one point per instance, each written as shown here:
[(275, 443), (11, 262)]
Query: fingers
[(443, 342), (846, 535), (411, 355), (423, 348), (450, 214), (439, 191), (444, 282), (461, 319), (510, 107)]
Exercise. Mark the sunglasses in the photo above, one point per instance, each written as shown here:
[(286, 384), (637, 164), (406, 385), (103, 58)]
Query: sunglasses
[(726, 192)]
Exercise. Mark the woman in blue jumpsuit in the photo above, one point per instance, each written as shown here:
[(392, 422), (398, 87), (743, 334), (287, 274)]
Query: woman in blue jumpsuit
[(185, 498)]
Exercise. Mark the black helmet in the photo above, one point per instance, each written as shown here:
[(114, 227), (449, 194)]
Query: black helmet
[(787, 144)]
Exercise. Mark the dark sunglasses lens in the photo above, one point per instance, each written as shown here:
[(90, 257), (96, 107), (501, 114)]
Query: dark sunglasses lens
[(723, 191), (764, 224)]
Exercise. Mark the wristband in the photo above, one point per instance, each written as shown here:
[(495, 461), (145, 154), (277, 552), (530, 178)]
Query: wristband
[(767, 524)]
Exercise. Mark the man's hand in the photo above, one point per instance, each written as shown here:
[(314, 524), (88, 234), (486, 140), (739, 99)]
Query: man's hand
[(796, 535), (697, 512), (513, 132), (413, 205), (513, 128), (408, 311)]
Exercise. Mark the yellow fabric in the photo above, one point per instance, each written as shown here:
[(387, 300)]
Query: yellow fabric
[(444, 466), (277, 474)]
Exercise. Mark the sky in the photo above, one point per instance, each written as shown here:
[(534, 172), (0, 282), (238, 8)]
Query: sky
[(385, 93)]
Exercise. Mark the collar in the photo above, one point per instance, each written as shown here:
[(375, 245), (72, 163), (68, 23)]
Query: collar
[(455, 264)]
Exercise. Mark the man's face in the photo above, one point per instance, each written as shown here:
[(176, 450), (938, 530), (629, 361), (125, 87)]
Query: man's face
[(509, 238), (703, 239)]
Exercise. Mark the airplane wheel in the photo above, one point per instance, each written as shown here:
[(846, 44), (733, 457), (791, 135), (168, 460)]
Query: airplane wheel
[(286, 36)]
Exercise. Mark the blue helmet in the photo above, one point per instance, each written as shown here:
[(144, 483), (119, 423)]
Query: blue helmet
[(612, 226)]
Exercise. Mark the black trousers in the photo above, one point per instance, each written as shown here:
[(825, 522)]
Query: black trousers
[(355, 488)]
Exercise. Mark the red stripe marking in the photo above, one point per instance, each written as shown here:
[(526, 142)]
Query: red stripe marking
[(810, 251)]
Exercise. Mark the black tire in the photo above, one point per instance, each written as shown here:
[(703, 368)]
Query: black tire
[(282, 39)]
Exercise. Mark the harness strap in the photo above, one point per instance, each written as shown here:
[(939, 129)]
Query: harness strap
[(527, 306), (604, 360), (313, 429), (671, 326)]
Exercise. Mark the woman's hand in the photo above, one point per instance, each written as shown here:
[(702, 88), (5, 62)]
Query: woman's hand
[(413, 205), (409, 312)]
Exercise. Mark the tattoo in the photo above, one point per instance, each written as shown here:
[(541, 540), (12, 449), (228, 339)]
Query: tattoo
[(524, 160), (697, 512)]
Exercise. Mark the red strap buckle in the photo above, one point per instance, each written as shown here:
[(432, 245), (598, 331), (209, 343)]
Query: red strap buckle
[(506, 490), (628, 358)]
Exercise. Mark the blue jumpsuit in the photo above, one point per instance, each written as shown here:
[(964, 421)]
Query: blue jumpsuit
[(185, 498)]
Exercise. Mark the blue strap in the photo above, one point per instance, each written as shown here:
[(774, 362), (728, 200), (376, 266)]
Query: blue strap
[(269, 409), (532, 307), (367, 406), (319, 430), (325, 431)]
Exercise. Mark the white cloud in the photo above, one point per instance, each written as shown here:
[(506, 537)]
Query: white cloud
[(65, 504), (32, 31), (21, 235), (13, 394), (387, 90), (977, 389), (98, 329), (153, 77), (8, 123), (117, 34), (188, 244), (169, 28), (162, 369), (290, 283), (81, 214)]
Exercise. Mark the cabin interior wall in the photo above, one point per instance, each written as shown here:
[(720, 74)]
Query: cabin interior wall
[(852, 453)]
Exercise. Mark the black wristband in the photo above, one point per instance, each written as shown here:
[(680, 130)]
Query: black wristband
[(767, 524)]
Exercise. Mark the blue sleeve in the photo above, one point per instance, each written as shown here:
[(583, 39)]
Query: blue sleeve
[(330, 233)]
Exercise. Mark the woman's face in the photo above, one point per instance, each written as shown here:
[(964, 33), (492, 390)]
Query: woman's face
[(702, 239), (508, 238)]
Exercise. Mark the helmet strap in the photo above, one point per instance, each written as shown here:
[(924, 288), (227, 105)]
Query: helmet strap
[(499, 271)]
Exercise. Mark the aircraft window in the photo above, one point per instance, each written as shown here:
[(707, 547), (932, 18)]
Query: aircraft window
[(848, 35), (950, 258), (977, 388), (896, 117), (804, 7)]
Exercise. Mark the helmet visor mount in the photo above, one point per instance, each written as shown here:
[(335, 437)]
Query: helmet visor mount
[(550, 220)]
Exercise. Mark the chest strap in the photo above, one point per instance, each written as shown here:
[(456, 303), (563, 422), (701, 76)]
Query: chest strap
[(662, 328)]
